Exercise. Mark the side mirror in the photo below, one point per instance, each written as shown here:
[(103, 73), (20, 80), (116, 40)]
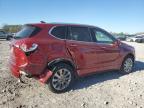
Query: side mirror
[(117, 42)]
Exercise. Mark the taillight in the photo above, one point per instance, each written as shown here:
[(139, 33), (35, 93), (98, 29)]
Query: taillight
[(25, 48), (20, 57)]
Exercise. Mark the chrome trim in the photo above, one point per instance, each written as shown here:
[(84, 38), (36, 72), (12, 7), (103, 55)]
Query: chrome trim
[(82, 41), (32, 48), (75, 40), (66, 39)]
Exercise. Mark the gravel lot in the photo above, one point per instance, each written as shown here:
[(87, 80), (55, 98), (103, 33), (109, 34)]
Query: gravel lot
[(106, 90)]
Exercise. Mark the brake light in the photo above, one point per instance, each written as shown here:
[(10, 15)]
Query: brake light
[(25, 48), (20, 57)]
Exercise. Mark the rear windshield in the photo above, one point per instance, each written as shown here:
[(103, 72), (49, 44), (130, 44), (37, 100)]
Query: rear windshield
[(27, 31)]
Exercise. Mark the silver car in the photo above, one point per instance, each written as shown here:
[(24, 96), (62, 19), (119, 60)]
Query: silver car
[(6, 36), (3, 35), (139, 39)]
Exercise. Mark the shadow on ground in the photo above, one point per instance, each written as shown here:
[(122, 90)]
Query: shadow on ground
[(99, 78), (139, 66)]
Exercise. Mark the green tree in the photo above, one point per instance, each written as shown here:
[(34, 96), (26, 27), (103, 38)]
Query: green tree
[(12, 28)]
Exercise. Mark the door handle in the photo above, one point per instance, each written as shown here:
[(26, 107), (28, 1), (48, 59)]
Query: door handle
[(103, 47), (73, 45)]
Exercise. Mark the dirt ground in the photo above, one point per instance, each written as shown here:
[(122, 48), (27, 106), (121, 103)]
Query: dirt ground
[(106, 90)]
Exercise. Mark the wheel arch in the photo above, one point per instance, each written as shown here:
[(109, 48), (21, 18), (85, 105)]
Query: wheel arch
[(63, 60), (127, 55), (130, 55)]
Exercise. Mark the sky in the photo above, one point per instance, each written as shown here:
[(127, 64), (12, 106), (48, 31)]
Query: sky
[(112, 15)]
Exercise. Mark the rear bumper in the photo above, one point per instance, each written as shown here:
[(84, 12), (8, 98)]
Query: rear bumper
[(18, 73), (34, 65), (43, 78)]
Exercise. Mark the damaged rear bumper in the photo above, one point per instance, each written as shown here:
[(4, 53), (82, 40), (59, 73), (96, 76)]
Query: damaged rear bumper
[(43, 78), (16, 71)]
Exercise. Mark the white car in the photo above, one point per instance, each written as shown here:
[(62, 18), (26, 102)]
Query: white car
[(135, 39)]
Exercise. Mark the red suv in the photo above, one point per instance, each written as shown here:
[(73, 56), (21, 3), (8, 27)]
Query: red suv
[(58, 53)]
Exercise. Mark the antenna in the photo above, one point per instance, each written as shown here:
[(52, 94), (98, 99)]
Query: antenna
[(42, 21)]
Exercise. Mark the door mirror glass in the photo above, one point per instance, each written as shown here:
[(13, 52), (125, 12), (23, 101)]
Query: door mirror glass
[(116, 43)]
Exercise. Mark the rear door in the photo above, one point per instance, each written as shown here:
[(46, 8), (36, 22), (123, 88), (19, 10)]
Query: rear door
[(81, 47), (107, 50)]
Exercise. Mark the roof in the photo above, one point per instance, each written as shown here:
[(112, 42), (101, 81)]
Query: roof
[(59, 23)]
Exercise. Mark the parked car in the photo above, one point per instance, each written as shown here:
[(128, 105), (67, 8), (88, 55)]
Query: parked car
[(122, 38), (56, 54), (13, 34), (135, 39), (4, 35), (140, 39)]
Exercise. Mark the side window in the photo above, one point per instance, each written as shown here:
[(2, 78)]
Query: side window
[(59, 32), (1, 33), (80, 34), (102, 37)]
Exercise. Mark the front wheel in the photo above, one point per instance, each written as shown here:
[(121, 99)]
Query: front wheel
[(127, 65), (62, 78)]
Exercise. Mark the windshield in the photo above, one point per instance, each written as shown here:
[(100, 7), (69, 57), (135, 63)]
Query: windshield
[(26, 31)]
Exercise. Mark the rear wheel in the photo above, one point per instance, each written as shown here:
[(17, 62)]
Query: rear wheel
[(62, 78), (127, 65)]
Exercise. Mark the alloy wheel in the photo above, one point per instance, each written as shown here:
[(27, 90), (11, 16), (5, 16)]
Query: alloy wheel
[(128, 65), (61, 79)]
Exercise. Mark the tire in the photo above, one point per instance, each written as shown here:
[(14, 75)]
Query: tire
[(127, 65), (62, 78), (9, 38), (131, 40), (139, 41)]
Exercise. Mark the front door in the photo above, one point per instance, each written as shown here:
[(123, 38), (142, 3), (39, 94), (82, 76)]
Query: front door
[(107, 49)]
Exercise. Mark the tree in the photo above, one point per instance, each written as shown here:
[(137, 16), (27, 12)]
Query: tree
[(12, 28)]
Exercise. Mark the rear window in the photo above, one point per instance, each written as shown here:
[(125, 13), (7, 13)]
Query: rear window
[(27, 31)]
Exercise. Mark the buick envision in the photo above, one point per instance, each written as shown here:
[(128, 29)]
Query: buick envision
[(56, 53)]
